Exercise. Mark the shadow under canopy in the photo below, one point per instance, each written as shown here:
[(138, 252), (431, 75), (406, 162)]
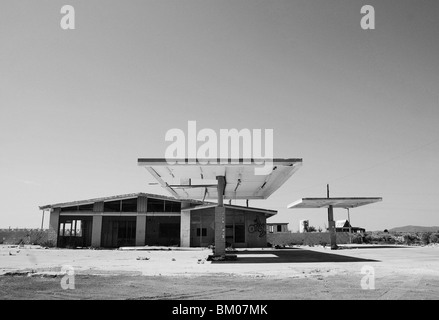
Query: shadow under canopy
[(290, 256)]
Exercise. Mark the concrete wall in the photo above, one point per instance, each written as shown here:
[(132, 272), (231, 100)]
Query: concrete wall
[(203, 218), (310, 238), (254, 237)]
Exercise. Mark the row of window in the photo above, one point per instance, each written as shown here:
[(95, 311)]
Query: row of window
[(70, 228), (271, 229), (130, 205)]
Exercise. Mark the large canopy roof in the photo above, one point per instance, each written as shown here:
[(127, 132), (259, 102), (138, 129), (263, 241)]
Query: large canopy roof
[(334, 202), (185, 180)]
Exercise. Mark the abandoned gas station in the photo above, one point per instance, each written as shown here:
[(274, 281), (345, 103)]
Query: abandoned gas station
[(188, 217)]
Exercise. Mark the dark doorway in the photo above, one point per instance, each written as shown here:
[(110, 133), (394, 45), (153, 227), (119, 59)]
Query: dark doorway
[(118, 232)]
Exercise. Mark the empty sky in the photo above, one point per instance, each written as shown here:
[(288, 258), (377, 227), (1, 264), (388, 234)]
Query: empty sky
[(361, 107)]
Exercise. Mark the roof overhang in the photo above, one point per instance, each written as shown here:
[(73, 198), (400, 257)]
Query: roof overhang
[(196, 179), (113, 198), (268, 213), (334, 202)]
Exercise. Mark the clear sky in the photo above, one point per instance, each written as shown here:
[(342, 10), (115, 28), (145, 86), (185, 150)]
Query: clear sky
[(361, 107)]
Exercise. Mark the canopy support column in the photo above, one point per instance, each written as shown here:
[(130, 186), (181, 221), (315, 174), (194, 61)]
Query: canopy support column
[(331, 223), (220, 219)]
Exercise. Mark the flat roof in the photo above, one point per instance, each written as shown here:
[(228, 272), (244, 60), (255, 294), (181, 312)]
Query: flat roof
[(276, 223), (334, 202), (195, 179)]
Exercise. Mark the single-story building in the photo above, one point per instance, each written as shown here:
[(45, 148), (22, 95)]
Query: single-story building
[(277, 227), (345, 226), (147, 219)]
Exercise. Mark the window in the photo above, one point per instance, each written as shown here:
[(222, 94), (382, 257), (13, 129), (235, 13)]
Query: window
[(71, 208), (112, 206), (172, 206), (86, 207), (279, 228), (202, 232), (155, 205), (129, 205), (70, 228)]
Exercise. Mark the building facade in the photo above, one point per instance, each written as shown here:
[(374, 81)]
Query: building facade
[(145, 219), (277, 227), (345, 226)]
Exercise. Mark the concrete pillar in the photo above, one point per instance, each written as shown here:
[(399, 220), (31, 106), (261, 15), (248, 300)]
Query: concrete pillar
[(331, 224), (185, 228), (140, 230), (220, 230), (54, 226), (185, 225), (220, 219), (142, 204), (96, 231)]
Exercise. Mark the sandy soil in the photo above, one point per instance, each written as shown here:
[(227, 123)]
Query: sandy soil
[(298, 273)]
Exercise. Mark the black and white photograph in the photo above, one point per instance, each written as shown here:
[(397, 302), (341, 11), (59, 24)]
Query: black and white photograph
[(221, 155)]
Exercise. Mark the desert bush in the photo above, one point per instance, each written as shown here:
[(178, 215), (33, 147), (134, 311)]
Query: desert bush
[(411, 238), (425, 237), (357, 238), (434, 238), (391, 240)]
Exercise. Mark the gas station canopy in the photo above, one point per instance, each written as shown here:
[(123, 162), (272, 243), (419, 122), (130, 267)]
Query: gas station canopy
[(198, 180), (344, 203)]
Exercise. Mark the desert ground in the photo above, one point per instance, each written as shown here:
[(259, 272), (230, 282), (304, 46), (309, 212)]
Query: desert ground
[(32, 272)]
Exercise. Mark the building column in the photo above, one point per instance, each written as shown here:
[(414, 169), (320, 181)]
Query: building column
[(140, 230), (142, 208), (220, 219), (53, 233), (331, 224), (96, 231), (185, 228), (185, 225)]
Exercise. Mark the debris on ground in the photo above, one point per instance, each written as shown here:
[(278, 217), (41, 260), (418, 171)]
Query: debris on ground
[(142, 258)]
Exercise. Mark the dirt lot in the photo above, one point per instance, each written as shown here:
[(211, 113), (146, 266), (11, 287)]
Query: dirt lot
[(298, 273)]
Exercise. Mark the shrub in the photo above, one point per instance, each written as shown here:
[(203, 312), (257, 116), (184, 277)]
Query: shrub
[(357, 238), (434, 238), (425, 237), (411, 238)]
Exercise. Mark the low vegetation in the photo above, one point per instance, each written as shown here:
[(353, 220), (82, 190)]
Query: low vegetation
[(403, 238), (24, 236)]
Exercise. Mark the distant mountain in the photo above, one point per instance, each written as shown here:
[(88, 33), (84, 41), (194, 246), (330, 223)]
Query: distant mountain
[(414, 229)]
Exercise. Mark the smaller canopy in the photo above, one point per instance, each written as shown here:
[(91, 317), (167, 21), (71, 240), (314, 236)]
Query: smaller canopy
[(334, 202)]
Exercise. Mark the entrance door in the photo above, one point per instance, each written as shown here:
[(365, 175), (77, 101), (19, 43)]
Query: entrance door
[(118, 232)]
